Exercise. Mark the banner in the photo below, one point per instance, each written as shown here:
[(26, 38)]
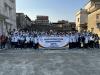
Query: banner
[(53, 42)]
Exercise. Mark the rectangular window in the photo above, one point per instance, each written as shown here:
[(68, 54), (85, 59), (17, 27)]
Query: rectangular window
[(92, 29), (98, 25), (12, 1), (97, 16), (78, 19)]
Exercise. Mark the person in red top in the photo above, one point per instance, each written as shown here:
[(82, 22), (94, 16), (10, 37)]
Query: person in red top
[(3, 41)]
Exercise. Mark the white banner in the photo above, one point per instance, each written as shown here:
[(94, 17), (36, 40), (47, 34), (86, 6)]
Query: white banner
[(53, 42)]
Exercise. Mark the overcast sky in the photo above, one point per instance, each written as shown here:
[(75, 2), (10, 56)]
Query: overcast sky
[(55, 9)]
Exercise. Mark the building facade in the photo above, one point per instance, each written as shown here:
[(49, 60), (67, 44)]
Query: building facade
[(7, 16), (93, 16), (64, 26), (81, 20), (60, 26), (42, 20), (22, 21), (41, 24)]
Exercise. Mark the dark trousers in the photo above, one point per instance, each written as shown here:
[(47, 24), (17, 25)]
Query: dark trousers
[(97, 44), (2, 45), (74, 44), (36, 46), (22, 44), (70, 45), (85, 45), (16, 45), (91, 44), (79, 44), (27, 45)]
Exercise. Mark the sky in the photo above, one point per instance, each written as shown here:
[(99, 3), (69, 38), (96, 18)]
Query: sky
[(55, 9)]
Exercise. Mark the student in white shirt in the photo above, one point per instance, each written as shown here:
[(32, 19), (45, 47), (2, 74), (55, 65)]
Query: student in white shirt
[(22, 41), (16, 41), (86, 41), (70, 41), (36, 42), (27, 42), (91, 45), (73, 41)]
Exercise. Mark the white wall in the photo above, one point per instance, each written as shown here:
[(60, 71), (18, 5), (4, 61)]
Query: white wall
[(8, 9), (83, 18)]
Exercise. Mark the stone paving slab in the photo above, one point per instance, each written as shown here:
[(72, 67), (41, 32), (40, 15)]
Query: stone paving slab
[(50, 62)]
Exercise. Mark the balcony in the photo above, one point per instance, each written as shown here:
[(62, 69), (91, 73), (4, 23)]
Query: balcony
[(3, 14), (98, 20), (92, 6), (98, 25), (10, 3)]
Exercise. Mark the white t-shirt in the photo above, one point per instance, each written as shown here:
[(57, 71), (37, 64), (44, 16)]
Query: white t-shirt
[(16, 38), (35, 40), (22, 38), (70, 39), (73, 38), (12, 39), (27, 39), (91, 38), (86, 39)]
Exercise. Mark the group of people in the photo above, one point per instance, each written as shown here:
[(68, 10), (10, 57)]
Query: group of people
[(22, 39), (3, 41), (83, 40)]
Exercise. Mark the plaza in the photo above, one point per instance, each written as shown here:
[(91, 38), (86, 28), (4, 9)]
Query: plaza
[(42, 38), (50, 62)]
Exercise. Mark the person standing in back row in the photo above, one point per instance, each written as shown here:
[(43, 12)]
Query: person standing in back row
[(70, 41), (79, 41), (36, 42), (86, 45), (91, 41), (96, 41)]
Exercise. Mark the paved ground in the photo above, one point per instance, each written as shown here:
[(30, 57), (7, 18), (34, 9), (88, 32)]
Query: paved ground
[(50, 62)]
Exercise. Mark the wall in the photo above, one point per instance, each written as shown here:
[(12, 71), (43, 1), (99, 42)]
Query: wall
[(82, 15), (92, 26), (8, 15)]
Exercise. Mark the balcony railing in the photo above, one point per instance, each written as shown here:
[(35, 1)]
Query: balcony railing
[(3, 14), (98, 20), (93, 7), (98, 25), (10, 3)]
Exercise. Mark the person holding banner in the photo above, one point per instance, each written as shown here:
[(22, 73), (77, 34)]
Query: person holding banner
[(54, 39), (86, 45), (96, 41)]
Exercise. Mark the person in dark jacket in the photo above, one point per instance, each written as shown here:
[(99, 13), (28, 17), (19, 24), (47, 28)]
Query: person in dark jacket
[(96, 43)]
